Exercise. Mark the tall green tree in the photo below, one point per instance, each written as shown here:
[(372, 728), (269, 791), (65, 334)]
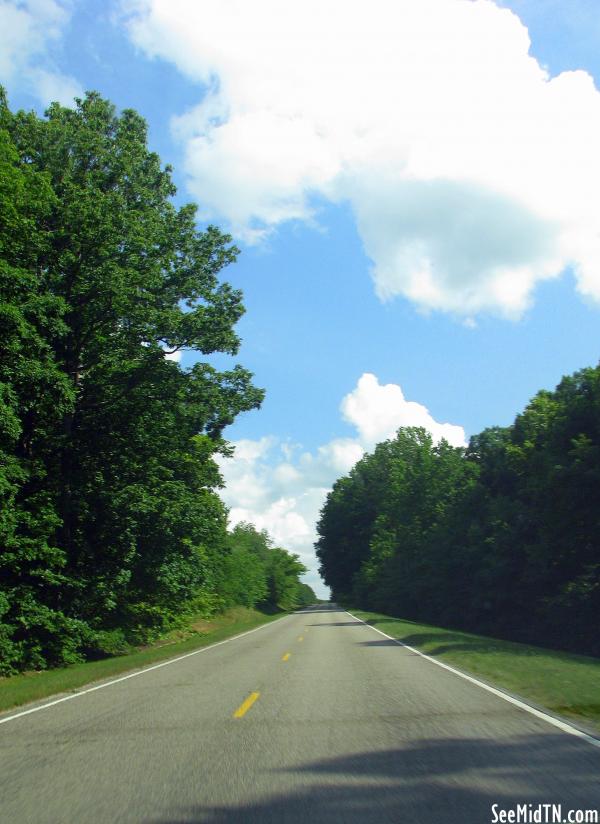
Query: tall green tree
[(35, 394), (112, 442), (260, 574), (245, 569), (283, 578), (306, 595), (502, 537)]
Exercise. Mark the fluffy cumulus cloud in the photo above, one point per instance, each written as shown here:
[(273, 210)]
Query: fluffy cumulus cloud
[(472, 173), (279, 487), (30, 34), (378, 411)]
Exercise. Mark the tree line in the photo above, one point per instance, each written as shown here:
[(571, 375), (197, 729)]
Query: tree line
[(111, 527), (501, 538)]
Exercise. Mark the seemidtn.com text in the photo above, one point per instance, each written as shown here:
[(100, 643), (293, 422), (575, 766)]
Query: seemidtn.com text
[(542, 814)]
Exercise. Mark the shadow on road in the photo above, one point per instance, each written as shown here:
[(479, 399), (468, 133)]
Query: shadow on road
[(320, 608), (391, 621), (455, 781), (337, 624), (385, 642)]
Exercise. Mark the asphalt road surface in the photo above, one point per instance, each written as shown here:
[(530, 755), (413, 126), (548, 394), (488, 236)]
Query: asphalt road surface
[(313, 718)]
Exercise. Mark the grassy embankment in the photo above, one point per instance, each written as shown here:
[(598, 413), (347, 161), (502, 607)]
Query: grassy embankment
[(33, 686), (565, 684)]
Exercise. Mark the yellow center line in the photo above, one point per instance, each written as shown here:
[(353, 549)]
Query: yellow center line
[(286, 657), (301, 638), (243, 708)]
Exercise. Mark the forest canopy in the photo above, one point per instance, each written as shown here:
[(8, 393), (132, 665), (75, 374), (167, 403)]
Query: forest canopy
[(501, 538), (110, 521)]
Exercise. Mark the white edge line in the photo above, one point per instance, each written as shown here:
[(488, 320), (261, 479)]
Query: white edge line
[(136, 673), (562, 725)]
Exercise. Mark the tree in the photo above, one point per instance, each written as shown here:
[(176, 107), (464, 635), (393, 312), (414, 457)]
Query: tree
[(283, 579), (34, 395), (501, 538), (245, 569), (109, 475), (260, 574), (306, 596)]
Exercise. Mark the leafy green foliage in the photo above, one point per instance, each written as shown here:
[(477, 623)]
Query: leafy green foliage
[(245, 578), (501, 537), (109, 518), (306, 596), (283, 571), (260, 574)]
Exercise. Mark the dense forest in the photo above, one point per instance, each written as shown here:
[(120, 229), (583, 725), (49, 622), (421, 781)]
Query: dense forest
[(111, 527), (501, 538)]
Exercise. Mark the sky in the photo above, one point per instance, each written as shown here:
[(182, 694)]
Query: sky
[(414, 187)]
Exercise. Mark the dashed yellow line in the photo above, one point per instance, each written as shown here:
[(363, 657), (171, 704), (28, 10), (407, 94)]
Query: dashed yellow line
[(301, 638), (245, 706), (286, 657)]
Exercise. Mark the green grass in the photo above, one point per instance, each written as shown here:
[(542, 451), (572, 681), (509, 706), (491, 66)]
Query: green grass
[(564, 684), (33, 686)]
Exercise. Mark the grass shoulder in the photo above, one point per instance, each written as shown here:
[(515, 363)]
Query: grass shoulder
[(565, 684), (27, 687)]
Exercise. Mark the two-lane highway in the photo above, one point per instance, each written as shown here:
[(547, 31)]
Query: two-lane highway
[(313, 718)]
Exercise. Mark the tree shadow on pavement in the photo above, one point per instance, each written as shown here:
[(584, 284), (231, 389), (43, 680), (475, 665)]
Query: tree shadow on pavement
[(311, 610), (337, 624), (453, 780), (384, 642)]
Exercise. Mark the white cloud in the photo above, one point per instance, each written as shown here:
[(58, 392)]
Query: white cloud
[(378, 411), (277, 487), (472, 174), (30, 32), (340, 455)]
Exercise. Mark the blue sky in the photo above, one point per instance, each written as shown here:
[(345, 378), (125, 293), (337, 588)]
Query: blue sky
[(415, 189)]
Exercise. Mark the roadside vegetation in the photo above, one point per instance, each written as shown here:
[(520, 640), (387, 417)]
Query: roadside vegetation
[(198, 632), (560, 682), (111, 529), (501, 538)]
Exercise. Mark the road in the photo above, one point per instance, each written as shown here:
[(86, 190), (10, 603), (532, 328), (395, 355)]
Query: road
[(312, 718)]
